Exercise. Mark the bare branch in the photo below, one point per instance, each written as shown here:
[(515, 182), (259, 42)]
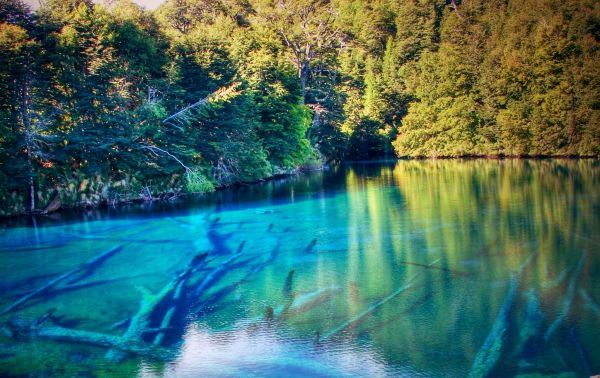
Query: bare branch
[(183, 115), (155, 151)]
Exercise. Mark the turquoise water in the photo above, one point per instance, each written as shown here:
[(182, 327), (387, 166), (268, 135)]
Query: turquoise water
[(410, 268)]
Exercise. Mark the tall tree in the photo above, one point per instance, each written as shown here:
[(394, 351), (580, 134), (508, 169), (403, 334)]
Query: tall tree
[(307, 29)]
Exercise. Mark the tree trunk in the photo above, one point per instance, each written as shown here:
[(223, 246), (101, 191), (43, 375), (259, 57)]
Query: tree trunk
[(87, 267), (303, 69), (31, 190), (14, 107), (58, 333), (28, 140)]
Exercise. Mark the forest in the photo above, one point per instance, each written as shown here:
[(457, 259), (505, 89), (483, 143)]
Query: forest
[(103, 103)]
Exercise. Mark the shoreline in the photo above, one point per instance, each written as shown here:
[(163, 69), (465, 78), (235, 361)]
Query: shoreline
[(476, 157), (166, 197), (503, 157)]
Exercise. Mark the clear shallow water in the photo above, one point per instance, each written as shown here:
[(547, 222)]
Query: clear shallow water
[(400, 269)]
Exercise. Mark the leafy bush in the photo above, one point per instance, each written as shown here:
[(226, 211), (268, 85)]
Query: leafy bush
[(196, 182)]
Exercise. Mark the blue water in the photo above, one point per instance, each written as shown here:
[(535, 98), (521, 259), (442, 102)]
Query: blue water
[(409, 268)]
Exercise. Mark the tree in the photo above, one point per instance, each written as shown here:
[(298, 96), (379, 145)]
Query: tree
[(307, 29), (25, 98)]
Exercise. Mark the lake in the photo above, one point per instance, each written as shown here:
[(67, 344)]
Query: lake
[(409, 268)]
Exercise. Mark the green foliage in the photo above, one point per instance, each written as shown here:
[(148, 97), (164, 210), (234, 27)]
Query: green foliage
[(367, 139), (198, 183), (206, 93), (517, 78)]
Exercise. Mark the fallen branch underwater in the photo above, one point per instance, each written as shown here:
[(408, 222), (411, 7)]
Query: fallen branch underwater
[(418, 303), (589, 302), (566, 304), (272, 256), (287, 287), (91, 264), (217, 296), (488, 355), (132, 340), (196, 264), (214, 275), (574, 339), (139, 323), (79, 286), (305, 302), (57, 333), (298, 304), (558, 280), (372, 307), (429, 266), (530, 331), (132, 240)]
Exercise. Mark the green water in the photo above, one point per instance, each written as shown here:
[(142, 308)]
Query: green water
[(435, 256)]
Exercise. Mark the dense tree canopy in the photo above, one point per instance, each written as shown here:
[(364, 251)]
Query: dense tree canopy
[(110, 102)]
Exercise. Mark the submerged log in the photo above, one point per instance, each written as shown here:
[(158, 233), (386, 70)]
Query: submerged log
[(490, 351), (166, 321), (289, 282), (530, 334), (134, 240), (272, 256), (31, 247), (310, 246), (219, 242), (78, 286), (574, 339), (589, 302), (358, 317), (306, 302), (381, 326), (429, 266), (214, 275), (558, 280), (488, 355), (223, 292), (568, 299), (299, 304), (22, 329), (120, 324), (196, 264), (140, 322), (209, 281), (88, 266)]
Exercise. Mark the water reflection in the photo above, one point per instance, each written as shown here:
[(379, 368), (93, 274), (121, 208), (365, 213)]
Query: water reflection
[(262, 352), (398, 269)]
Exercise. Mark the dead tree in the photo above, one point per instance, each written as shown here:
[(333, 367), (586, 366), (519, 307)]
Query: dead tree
[(307, 31), (91, 264), (183, 116), (20, 329), (139, 325)]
